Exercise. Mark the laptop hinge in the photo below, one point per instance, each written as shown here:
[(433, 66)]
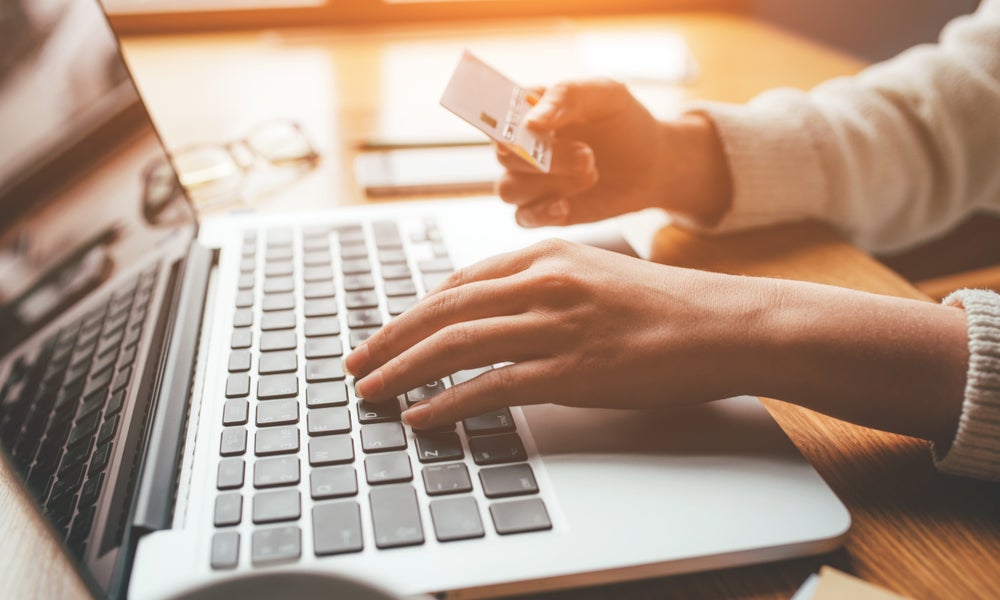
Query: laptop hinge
[(155, 501)]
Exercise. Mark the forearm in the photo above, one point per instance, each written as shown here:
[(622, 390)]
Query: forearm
[(888, 363)]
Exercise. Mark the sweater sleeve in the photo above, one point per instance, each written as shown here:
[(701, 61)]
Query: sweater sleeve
[(897, 154), (975, 451)]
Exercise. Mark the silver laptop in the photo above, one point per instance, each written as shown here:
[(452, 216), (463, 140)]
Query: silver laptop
[(172, 391)]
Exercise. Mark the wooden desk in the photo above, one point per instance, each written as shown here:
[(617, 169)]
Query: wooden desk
[(915, 532)]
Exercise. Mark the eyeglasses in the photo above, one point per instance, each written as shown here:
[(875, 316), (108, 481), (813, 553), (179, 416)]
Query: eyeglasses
[(214, 174)]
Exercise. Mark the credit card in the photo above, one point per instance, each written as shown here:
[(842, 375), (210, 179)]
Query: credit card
[(495, 105)]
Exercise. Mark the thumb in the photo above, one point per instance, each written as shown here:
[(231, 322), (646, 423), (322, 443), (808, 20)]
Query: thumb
[(576, 102)]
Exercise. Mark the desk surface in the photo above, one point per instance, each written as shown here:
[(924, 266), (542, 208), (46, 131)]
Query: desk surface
[(915, 532)]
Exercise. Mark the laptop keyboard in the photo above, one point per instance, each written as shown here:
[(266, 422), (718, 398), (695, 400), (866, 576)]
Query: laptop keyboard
[(61, 408), (298, 449)]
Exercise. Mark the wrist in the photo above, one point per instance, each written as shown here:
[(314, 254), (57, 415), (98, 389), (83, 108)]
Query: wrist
[(695, 179)]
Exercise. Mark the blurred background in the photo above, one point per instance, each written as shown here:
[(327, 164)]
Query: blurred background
[(869, 30)]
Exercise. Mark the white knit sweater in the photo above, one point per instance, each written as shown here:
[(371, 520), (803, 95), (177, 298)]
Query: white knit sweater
[(898, 154)]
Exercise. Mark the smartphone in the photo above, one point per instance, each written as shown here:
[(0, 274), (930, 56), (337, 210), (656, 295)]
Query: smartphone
[(450, 169)]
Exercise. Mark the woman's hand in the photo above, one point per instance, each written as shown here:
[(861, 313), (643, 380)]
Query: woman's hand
[(587, 327), (610, 156), (582, 327)]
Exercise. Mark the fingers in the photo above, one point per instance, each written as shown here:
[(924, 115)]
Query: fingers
[(522, 190), (569, 158), (456, 347), (515, 385), (575, 102), (471, 302)]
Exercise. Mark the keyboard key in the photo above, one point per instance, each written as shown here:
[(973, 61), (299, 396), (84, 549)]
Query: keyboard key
[(446, 479), (349, 251), (91, 490), (321, 395), (276, 440), (497, 421), (225, 550), (493, 449), (336, 528), (235, 412), (274, 472), (108, 430), (395, 516), (278, 268), (469, 374), (326, 421), (438, 447), (394, 256), (510, 480), (239, 360), (456, 519), (520, 516), (278, 412), (331, 450), (121, 379), (381, 412), (242, 338), (274, 302), (358, 336), (234, 441), (351, 234), (237, 385), (319, 289), (244, 299), (424, 392), (243, 317), (383, 437), (387, 235), (277, 386), (365, 317), (279, 285), (272, 363), (245, 282), (436, 265), (400, 287), (324, 369), (432, 280), (274, 321), (276, 545), (355, 266), (230, 474), (317, 274), (228, 509), (271, 507), (100, 459), (318, 326), (277, 340), (399, 305), (362, 299), (323, 307), (317, 258), (391, 467), (359, 282), (324, 347), (333, 482), (393, 272)]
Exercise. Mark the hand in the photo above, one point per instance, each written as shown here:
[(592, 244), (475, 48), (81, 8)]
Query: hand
[(610, 156), (583, 327)]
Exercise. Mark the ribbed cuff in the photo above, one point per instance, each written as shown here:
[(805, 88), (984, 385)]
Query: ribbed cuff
[(775, 167), (975, 452)]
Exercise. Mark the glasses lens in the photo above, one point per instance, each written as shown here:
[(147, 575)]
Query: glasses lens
[(209, 174), (281, 143)]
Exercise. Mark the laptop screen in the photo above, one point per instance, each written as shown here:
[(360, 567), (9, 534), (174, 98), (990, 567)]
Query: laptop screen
[(86, 189)]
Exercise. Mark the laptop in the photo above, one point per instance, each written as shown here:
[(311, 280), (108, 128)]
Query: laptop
[(171, 392)]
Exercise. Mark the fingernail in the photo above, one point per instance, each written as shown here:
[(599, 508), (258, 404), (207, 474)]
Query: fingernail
[(524, 218), (501, 150), (558, 209), (540, 113), (583, 157), (417, 415), (370, 385), (356, 360)]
